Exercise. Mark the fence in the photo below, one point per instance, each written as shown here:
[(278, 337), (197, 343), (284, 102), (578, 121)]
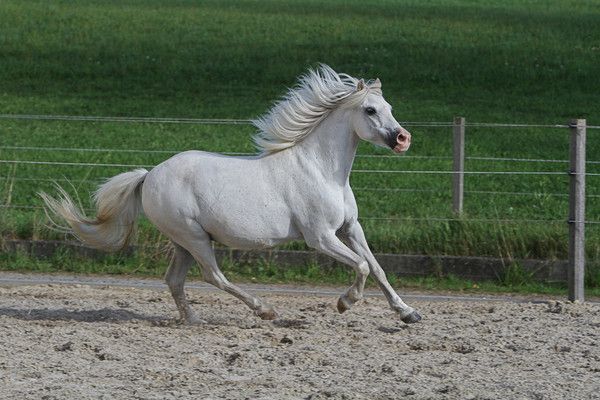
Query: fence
[(457, 173), (576, 221)]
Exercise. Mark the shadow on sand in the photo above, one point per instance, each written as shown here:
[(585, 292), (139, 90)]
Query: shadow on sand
[(63, 314)]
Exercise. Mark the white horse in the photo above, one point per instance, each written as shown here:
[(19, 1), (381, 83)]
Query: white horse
[(296, 188)]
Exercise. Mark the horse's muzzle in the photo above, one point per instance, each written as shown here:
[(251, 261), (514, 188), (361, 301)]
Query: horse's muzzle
[(399, 140)]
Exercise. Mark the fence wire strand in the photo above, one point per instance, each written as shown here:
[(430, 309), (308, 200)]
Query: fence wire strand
[(363, 171), (105, 150), (446, 191), (155, 120), (74, 164), (236, 121), (396, 157)]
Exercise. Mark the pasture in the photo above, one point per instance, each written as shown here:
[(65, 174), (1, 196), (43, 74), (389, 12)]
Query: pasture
[(90, 342), (503, 62)]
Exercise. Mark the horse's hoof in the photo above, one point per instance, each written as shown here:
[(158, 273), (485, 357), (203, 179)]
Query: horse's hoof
[(342, 306), (266, 313), (411, 318)]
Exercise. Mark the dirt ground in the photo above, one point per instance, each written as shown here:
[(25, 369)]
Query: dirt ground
[(83, 342)]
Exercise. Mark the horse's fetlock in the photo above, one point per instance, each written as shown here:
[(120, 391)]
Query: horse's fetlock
[(343, 304), (266, 312), (403, 311)]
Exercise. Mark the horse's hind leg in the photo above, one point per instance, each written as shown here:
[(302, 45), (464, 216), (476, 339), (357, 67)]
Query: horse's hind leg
[(175, 277), (203, 252)]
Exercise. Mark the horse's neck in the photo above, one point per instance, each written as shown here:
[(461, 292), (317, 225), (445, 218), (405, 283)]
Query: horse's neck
[(331, 147)]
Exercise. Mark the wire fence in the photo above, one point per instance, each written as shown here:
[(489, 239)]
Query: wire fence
[(379, 171), (531, 171)]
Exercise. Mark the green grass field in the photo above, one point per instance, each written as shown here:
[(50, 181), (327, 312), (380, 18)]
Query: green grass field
[(490, 61)]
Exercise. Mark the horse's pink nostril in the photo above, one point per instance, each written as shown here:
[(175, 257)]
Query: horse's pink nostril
[(402, 140), (403, 137)]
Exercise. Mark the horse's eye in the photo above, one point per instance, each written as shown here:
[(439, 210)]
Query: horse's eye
[(370, 111)]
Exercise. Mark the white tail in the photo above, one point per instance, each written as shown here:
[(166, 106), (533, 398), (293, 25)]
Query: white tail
[(118, 203)]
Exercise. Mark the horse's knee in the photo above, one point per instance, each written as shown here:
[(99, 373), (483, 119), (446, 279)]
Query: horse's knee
[(363, 269)]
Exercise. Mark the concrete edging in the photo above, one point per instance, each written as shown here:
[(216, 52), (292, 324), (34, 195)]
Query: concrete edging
[(475, 268)]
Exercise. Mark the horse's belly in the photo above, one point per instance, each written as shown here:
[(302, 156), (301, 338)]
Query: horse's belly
[(251, 231), (246, 243)]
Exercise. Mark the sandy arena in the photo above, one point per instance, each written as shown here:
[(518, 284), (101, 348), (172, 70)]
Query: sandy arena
[(105, 342)]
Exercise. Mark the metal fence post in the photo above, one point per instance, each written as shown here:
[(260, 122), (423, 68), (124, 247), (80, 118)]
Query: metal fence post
[(577, 210), (458, 177)]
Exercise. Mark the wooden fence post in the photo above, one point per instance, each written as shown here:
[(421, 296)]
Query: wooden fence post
[(577, 210), (458, 177)]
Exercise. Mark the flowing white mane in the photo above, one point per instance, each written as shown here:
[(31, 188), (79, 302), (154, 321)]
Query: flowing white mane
[(295, 116)]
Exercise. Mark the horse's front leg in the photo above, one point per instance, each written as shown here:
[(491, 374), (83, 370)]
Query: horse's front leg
[(358, 243), (332, 246)]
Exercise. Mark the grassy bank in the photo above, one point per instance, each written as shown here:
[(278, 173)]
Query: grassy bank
[(153, 263), (496, 61)]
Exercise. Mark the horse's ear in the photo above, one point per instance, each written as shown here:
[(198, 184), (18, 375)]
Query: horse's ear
[(376, 83), (360, 85)]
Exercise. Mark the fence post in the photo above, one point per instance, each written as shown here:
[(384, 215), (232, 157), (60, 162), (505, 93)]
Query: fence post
[(458, 177), (577, 210)]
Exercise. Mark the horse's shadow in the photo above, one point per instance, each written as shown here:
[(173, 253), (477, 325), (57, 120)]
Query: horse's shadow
[(109, 315), (114, 316)]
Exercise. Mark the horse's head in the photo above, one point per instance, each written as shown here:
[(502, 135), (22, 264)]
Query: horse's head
[(373, 120)]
